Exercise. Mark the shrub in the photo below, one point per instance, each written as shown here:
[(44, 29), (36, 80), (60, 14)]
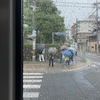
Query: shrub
[(46, 45)]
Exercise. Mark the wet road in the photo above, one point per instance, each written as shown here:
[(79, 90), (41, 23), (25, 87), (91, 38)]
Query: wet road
[(83, 84)]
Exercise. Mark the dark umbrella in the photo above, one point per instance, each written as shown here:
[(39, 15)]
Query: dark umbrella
[(40, 48)]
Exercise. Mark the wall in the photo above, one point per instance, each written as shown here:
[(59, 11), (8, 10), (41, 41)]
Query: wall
[(91, 46), (82, 37), (85, 26)]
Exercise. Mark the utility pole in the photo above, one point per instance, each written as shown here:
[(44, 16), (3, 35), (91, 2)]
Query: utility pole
[(97, 22), (34, 32), (52, 37), (34, 6), (76, 30), (98, 34)]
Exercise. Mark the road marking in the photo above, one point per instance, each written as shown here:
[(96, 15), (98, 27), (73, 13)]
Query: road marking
[(94, 66), (31, 69), (32, 76), (92, 55), (32, 81), (30, 94), (96, 63), (32, 73), (31, 86)]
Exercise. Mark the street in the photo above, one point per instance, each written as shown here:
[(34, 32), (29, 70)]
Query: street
[(82, 84)]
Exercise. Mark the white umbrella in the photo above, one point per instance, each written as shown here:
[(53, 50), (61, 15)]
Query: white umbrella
[(71, 48), (52, 50)]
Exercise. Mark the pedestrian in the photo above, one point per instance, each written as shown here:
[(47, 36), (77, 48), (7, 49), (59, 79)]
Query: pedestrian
[(61, 57), (76, 52), (51, 58), (67, 61), (41, 55), (71, 58)]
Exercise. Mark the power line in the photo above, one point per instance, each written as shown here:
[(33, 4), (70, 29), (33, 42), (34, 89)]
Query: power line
[(91, 14), (72, 2), (76, 6)]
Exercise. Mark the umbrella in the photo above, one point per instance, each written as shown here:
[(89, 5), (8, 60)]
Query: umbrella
[(67, 53), (40, 48), (52, 50), (63, 47), (71, 48)]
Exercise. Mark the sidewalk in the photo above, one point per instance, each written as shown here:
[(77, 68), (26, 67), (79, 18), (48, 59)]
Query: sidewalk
[(79, 63)]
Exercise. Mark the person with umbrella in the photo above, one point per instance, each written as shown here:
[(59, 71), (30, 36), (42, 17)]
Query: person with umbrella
[(67, 56), (67, 61), (52, 51), (41, 51), (62, 48), (62, 57), (71, 58), (51, 58)]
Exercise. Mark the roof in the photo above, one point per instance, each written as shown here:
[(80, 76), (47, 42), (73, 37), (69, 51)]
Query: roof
[(93, 34)]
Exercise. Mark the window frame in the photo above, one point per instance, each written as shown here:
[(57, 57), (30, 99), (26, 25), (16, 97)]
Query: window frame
[(19, 50)]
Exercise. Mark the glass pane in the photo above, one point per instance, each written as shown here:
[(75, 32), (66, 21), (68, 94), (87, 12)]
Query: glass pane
[(61, 49)]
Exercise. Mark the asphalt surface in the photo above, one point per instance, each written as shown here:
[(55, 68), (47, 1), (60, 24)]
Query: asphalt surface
[(83, 84)]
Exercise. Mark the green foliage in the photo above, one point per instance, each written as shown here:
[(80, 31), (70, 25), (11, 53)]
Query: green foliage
[(27, 16), (27, 45), (84, 59), (48, 20), (46, 45)]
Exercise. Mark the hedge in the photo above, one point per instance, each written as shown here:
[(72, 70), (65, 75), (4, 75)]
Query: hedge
[(46, 45)]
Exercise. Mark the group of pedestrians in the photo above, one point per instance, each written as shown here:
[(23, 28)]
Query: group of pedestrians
[(41, 57), (65, 59)]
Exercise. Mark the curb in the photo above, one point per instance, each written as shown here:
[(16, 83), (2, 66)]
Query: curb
[(88, 63)]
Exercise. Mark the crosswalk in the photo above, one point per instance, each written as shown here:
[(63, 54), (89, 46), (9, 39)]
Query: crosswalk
[(96, 63), (31, 85)]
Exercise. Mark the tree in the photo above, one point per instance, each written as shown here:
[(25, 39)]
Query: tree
[(27, 17), (48, 20)]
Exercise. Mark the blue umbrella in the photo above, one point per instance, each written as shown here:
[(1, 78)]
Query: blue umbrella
[(67, 53)]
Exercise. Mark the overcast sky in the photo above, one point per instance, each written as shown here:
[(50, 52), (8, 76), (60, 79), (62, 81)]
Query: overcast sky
[(71, 12)]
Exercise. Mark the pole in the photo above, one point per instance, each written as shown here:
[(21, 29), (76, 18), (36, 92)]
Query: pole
[(34, 37), (52, 37), (80, 50), (34, 6), (76, 30), (97, 23)]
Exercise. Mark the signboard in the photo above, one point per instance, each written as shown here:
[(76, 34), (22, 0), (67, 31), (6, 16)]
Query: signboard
[(60, 34), (73, 31)]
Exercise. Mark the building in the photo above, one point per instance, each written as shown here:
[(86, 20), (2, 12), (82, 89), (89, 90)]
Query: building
[(93, 43), (84, 28)]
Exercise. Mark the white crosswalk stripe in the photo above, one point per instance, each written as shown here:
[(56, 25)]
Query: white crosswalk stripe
[(32, 77), (96, 63), (31, 85), (32, 81), (32, 73), (30, 95)]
